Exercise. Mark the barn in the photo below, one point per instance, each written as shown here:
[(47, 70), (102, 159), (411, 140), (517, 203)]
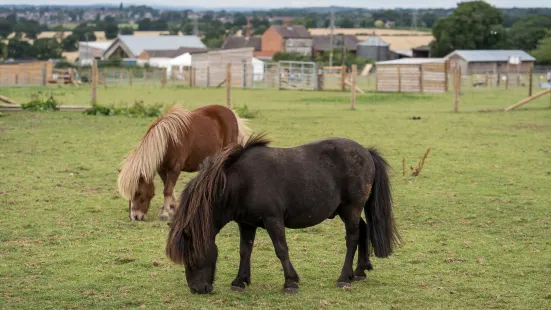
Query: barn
[(489, 61)]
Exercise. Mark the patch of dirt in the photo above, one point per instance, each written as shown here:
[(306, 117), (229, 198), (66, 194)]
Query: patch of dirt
[(21, 243), (532, 126)]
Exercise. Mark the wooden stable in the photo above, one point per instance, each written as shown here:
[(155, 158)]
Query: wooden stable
[(412, 75), (210, 68), (14, 73)]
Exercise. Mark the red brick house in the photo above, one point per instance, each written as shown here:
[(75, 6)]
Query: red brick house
[(290, 39)]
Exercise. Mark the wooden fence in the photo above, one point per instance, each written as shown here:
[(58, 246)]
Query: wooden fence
[(25, 73), (418, 78)]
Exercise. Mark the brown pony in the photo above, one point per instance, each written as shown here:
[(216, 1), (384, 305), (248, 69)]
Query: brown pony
[(179, 140)]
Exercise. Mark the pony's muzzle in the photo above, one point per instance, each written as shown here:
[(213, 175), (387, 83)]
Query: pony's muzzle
[(201, 289), (138, 218)]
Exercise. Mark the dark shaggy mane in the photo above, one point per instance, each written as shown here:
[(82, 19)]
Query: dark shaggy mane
[(193, 218)]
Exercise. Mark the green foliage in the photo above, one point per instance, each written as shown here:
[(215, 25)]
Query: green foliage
[(345, 22), (40, 105), (47, 48), (543, 51), (349, 59), (379, 23), (6, 28), (138, 109), (147, 24), (245, 112), (30, 28), (473, 25), (527, 32), (111, 30), (70, 43), (85, 32), (127, 30), (19, 49)]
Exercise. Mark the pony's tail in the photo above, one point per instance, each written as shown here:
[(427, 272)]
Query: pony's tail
[(243, 131), (382, 232)]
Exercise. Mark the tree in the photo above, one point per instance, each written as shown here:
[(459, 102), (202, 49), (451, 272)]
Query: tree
[(345, 22), (6, 28), (47, 48), (528, 32), (19, 49), (70, 43), (84, 32), (111, 30), (367, 22), (30, 28), (429, 19), (127, 31), (472, 25), (543, 52), (379, 24), (187, 29), (3, 50)]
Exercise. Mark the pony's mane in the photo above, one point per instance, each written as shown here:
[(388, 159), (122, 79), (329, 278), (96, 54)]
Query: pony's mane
[(194, 216), (148, 155)]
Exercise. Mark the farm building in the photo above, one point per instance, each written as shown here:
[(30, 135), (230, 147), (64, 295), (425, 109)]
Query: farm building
[(424, 75), (210, 67), (88, 51), (374, 48), (322, 43), (25, 72), (130, 47), (233, 42), (290, 39), (489, 61)]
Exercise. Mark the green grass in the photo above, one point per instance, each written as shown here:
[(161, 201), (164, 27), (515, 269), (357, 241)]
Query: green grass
[(476, 223)]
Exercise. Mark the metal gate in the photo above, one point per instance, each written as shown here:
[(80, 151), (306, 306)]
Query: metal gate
[(299, 75)]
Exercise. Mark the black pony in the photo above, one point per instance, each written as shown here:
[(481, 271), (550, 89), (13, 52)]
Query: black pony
[(274, 188)]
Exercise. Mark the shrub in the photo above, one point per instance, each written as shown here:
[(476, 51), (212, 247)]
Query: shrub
[(38, 104), (246, 113), (138, 109)]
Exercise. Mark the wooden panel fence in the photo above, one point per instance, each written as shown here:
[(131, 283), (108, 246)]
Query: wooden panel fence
[(416, 78)]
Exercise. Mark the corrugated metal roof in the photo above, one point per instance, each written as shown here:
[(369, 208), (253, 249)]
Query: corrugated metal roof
[(99, 45), (411, 61), (137, 44), (373, 41), (238, 42), (491, 55), (323, 42)]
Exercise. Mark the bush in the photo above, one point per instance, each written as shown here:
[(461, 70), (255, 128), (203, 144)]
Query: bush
[(38, 104), (136, 110), (246, 113)]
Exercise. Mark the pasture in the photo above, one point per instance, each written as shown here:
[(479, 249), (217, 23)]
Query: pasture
[(476, 222)]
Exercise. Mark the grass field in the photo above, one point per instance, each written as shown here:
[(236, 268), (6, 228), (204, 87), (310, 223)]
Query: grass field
[(476, 223)]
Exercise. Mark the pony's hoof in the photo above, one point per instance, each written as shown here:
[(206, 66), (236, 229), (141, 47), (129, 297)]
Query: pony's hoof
[(164, 217), (237, 288), (343, 285), (359, 278), (290, 290)]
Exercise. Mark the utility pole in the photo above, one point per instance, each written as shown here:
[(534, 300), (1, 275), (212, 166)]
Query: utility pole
[(414, 19), (331, 25), (196, 26), (343, 49)]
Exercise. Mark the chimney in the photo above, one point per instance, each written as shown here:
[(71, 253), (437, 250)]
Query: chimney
[(248, 29), (287, 22)]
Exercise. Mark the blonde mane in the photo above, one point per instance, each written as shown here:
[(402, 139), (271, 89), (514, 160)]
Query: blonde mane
[(244, 131), (148, 155)]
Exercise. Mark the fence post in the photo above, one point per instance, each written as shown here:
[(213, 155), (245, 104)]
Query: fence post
[(190, 76), (278, 76), (208, 76), (121, 72), (457, 89), (446, 65), (194, 79), (144, 75), (130, 76), (353, 87), (343, 78), (228, 85), (319, 74), (243, 74), (421, 86), (94, 80), (163, 78), (399, 80), (507, 80), (530, 79), (44, 75)]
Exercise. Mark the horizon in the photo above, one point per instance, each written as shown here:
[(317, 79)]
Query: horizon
[(286, 4)]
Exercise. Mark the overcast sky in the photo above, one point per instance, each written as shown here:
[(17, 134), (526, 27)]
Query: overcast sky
[(298, 3)]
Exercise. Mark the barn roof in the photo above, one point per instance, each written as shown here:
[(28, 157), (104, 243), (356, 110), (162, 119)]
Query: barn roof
[(137, 44), (238, 42), (323, 42), (293, 32), (491, 55), (172, 53), (411, 61), (373, 41)]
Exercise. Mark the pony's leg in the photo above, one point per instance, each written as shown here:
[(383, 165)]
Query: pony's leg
[(363, 253), (243, 278), (351, 220), (276, 230), (169, 204)]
